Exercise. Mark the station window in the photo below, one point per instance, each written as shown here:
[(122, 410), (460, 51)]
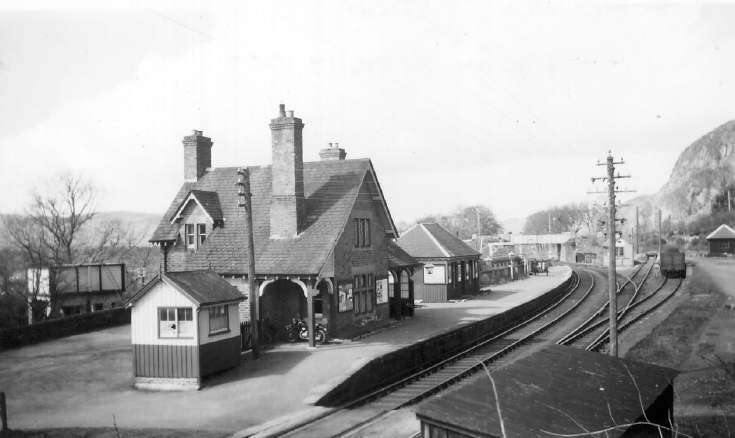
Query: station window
[(175, 322), (362, 233), (364, 293), (98, 306), (619, 251), (219, 320)]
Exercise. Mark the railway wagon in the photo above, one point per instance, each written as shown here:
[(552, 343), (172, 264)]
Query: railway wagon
[(673, 263)]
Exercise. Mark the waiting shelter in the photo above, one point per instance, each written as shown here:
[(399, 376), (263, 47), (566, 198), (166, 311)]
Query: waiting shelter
[(184, 326)]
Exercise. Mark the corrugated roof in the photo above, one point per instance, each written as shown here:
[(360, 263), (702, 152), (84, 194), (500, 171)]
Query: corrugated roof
[(559, 390), (430, 240), (724, 231), (330, 189), (202, 287)]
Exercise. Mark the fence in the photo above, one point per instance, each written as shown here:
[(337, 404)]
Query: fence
[(60, 327)]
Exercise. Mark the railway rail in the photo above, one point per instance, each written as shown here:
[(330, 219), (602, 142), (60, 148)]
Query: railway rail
[(599, 319), (639, 312), (409, 390)]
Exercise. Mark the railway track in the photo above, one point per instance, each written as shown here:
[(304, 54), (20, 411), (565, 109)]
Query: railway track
[(585, 331), (370, 408), (638, 311)]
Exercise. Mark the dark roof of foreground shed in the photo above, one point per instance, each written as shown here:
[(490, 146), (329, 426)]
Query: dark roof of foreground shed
[(330, 189), (201, 287), (558, 390), (430, 240)]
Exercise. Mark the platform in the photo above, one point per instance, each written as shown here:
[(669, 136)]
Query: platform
[(83, 380)]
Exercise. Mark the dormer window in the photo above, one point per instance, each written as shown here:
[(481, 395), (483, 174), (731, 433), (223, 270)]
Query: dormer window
[(195, 235), (201, 233)]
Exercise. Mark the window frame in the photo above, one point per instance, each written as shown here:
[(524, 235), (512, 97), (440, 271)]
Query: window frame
[(176, 310), (226, 313), (201, 236), (190, 238)]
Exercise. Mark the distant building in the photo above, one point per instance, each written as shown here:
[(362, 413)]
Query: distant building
[(85, 288), (184, 326), (450, 266), (721, 241), (558, 390)]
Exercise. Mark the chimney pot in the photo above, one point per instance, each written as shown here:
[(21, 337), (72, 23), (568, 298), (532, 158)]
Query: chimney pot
[(197, 132), (289, 114), (282, 110)]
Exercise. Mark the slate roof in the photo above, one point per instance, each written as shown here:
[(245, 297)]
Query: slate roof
[(430, 240), (559, 390), (202, 287), (209, 202), (399, 258), (724, 231), (330, 189)]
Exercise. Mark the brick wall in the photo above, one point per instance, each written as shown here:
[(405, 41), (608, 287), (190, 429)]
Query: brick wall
[(350, 261)]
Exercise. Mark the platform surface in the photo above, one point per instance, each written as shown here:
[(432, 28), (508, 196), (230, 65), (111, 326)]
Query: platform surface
[(83, 380)]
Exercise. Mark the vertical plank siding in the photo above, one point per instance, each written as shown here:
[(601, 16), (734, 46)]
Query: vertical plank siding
[(171, 361), (220, 355)]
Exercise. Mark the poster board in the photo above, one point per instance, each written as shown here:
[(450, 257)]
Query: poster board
[(381, 291), (434, 274)]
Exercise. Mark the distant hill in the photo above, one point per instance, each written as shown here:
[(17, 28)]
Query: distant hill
[(701, 173), (141, 224)]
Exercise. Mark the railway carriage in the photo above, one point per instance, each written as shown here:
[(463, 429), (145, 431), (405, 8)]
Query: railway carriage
[(673, 263)]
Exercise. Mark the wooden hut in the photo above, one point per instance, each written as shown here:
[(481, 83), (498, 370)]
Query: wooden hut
[(558, 391), (184, 326), (722, 240), (450, 266)]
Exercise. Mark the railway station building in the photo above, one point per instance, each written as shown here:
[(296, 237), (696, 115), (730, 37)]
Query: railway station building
[(721, 241), (321, 232), (558, 391), (450, 266)]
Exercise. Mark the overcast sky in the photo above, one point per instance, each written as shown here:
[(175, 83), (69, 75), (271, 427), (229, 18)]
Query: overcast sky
[(502, 104)]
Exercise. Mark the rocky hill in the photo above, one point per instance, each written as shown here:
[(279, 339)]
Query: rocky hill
[(701, 173)]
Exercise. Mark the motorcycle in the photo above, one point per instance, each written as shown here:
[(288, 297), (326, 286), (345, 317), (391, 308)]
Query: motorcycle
[(299, 331)]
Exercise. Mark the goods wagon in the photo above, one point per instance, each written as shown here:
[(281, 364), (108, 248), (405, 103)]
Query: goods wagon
[(673, 263)]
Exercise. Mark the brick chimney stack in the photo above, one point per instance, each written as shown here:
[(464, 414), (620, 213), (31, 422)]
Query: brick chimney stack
[(287, 195), (197, 155), (332, 153)]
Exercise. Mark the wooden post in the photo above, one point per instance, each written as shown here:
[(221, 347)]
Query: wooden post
[(611, 272), (3, 412), (310, 312), (245, 200)]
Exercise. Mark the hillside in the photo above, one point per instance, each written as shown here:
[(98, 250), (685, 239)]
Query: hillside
[(700, 174), (141, 225)]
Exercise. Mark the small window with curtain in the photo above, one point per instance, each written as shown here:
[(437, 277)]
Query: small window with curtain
[(219, 321)]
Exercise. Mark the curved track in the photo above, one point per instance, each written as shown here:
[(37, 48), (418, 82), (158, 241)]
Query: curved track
[(589, 331), (371, 407)]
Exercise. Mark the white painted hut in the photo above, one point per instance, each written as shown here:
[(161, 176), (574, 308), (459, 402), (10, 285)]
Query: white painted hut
[(184, 326)]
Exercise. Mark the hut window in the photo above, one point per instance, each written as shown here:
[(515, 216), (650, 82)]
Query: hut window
[(175, 322), (219, 321), (190, 236)]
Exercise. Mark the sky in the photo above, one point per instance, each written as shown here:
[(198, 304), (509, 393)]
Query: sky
[(505, 104)]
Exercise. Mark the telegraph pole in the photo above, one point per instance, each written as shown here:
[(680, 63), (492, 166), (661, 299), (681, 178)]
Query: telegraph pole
[(637, 249), (245, 201), (611, 272), (659, 236)]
